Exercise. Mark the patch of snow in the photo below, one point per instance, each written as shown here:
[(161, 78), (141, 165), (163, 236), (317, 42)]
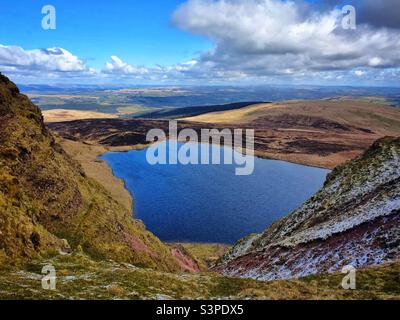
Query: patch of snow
[(372, 211)]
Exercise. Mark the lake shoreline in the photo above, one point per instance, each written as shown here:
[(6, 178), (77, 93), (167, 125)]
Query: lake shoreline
[(205, 253), (187, 213), (88, 154), (322, 150)]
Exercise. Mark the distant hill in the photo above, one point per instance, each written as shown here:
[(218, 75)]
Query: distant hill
[(313, 114), (353, 220), (323, 133), (176, 113)]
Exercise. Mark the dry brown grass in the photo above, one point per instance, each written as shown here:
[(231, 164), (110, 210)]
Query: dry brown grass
[(323, 133), (81, 278), (376, 117), (231, 116), (61, 115)]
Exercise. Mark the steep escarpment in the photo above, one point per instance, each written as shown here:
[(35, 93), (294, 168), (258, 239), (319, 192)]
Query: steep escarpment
[(47, 204), (353, 220)]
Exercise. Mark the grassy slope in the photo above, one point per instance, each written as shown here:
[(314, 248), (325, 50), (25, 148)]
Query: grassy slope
[(45, 196), (176, 113), (78, 277), (353, 219), (381, 119), (87, 156), (206, 254), (322, 133), (56, 115)]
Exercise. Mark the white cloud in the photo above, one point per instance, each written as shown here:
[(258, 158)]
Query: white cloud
[(375, 62), (51, 59), (117, 66), (359, 73), (270, 37), (254, 41), (50, 64)]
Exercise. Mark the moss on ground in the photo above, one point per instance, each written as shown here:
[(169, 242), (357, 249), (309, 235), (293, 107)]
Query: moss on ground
[(80, 277)]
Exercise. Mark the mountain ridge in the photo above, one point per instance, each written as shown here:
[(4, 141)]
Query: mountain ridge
[(354, 219)]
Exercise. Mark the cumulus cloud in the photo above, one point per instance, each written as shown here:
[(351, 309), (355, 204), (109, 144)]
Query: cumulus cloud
[(52, 59), (117, 66), (273, 37), (50, 63), (254, 41)]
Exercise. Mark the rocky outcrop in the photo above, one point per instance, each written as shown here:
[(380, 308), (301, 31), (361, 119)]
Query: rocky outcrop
[(353, 220)]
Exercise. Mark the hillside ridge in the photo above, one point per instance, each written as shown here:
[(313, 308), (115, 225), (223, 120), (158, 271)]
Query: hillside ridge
[(353, 220), (49, 205)]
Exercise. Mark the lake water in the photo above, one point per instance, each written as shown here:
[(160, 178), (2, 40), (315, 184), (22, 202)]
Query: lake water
[(209, 203)]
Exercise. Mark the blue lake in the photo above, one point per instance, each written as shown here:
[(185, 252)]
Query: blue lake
[(209, 203)]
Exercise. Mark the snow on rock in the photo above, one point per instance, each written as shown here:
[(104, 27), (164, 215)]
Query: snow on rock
[(354, 219)]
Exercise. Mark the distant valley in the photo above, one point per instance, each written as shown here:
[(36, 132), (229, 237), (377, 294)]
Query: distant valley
[(177, 102), (322, 133)]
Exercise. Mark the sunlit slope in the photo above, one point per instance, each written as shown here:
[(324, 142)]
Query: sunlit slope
[(378, 118), (49, 205), (59, 115)]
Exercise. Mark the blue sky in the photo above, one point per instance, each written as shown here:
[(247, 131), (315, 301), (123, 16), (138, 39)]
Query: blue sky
[(138, 31), (201, 42)]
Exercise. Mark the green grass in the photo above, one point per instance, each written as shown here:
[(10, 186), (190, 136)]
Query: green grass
[(80, 277), (205, 253)]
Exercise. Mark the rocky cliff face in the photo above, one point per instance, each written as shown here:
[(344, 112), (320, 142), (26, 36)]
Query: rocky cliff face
[(47, 204), (353, 220)]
